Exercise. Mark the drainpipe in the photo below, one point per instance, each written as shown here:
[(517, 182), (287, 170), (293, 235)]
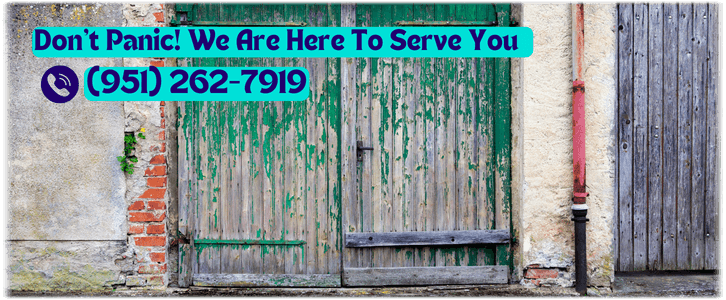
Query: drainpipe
[(579, 207)]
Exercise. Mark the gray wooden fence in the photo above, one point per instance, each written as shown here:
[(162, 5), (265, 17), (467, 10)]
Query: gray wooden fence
[(667, 208)]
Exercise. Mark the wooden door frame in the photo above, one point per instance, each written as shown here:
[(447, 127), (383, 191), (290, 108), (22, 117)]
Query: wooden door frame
[(502, 147)]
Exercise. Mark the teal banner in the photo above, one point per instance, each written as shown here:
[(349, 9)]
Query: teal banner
[(282, 42), (196, 84)]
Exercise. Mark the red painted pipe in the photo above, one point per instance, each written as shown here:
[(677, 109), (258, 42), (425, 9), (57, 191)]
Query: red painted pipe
[(578, 141), (578, 104), (579, 208)]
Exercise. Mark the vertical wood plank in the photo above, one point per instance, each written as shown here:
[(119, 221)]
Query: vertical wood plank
[(655, 134), (298, 13), (364, 119), (502, 142), (410, 196), (670, 135), (185, 209), (385, 95), (625, 135), (699, 117), (640, 139), (332, 226), (465, 138), (445, 134), (487, 204), (711, 241), (321, 142), (398, 125), (350, 106), (426, 142), (685, 103)]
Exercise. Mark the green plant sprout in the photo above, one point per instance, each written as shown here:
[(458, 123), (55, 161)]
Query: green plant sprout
[(127, 159)]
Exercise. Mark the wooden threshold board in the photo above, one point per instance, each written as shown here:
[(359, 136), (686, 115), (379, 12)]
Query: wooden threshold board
[(408, 276)]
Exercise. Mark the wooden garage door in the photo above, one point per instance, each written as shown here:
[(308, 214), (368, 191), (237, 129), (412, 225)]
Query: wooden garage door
[(667, 208), (428, 201), (259, 181)]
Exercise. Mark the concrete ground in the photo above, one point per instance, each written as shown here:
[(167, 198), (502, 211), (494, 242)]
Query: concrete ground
[(636, 284)]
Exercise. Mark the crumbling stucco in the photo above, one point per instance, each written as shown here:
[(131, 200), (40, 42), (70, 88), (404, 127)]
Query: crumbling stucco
[(542, 141)]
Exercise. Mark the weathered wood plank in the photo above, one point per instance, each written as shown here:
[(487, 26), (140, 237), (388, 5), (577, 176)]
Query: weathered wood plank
[(655, 134), (685, 103), (425, 276), (424, 69), (267, 280), (383, 91), (298, 13), (640, 139), (503, 142), (712, 199), (379, 112), (625, 135), (365, 134), (399, 132), (466, 182), (670, 135), (333, 229), (253, 255), (487, 203), (699, 117), (185, 209), (427, 238), (446, 135), (351, 114)]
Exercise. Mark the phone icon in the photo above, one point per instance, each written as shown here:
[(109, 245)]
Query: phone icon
[(59, 84)]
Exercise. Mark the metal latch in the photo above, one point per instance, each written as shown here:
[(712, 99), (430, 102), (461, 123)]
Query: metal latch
[(359, 150)]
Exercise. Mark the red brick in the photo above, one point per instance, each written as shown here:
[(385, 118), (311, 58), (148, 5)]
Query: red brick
[(146, 217), (163, 123), (163, 147), (153, 194), (162, 111), (158, 160), (159, 16), (155, 229), (155, 280), (162, 104), (136, 229), (156, 171), (156, 181), (138, 205), (150, 241), (158, 257), (152, 269), (541, 273), (154, 205), (162, 135)]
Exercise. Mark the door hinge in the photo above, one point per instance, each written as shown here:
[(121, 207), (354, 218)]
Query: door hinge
[(179, 239)]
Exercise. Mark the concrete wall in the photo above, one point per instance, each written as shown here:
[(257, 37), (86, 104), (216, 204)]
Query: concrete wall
[(542, 145), (67, 220), (76, 221)]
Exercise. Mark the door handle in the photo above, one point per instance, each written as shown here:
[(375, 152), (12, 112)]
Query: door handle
[(359, 150)]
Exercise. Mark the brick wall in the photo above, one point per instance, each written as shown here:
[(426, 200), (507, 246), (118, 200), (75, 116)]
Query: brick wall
[(147, 194)]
